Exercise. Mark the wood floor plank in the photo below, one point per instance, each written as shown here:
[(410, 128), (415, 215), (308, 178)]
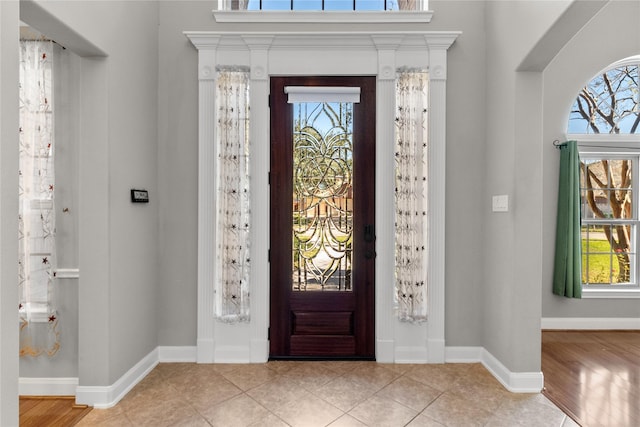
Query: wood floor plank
[(594, 376), (50, 411)]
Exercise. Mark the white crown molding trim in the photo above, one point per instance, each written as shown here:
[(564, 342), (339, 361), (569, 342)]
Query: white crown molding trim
[(67, 273), (177, 354), (351, 17), (591, 323), (103, 397), (515, 382), (47, 386)]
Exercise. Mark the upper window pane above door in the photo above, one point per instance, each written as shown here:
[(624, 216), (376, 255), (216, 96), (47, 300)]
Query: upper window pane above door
[(319, 5)]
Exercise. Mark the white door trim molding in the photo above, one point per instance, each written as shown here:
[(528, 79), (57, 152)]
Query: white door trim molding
[(342, 53)]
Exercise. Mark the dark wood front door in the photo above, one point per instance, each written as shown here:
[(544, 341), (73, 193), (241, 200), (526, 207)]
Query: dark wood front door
[(322, 232)]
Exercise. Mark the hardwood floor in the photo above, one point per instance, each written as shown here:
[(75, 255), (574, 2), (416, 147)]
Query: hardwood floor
[(50, 411), (594, 376)]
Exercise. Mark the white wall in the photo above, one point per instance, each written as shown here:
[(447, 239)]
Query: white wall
[(570, 70)]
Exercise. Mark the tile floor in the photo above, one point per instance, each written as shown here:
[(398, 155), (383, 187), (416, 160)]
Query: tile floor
[(336, 394)]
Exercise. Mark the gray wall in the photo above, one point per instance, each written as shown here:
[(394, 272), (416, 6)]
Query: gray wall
[(178, 110), (118, 241), (570, 70), (511, 246), (9, 33), (138, 263)]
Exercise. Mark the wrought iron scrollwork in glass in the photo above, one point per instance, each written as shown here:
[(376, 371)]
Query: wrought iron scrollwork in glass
[(322, 196)]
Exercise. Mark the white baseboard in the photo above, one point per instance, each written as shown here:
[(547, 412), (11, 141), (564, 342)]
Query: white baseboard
[(590, 323), (177, 354), (47, 386), (103, 397), (411, 354), (515, 382), (232, 354), (385, 351), (259, 351), (107, 396), (463, 354)]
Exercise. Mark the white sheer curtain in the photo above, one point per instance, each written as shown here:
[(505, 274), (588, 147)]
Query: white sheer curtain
[(233, 196), (411, 148), (37, 256)]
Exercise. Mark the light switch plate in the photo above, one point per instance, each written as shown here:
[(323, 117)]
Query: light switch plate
[(500, 203)]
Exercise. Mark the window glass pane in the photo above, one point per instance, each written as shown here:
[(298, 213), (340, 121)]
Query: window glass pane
[(369, 4), (608, 253), (307, 4), (610, 103), (276, 4), (606, 189), (338, 5)]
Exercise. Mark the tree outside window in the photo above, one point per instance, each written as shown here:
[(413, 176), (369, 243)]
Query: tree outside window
[(609, 105)]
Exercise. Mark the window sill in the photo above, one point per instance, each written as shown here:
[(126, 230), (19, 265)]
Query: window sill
[(373, 17), (625, 293)]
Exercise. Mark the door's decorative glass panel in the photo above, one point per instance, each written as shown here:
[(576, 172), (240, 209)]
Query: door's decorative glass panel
[(322, 196)]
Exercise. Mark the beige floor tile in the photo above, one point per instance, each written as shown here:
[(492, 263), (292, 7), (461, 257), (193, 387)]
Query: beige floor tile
[(310, 376), (347, 421), (424, 421), (344, 393), (452, 410), (285, 394), (410, 392), (204, 395), (270, 421), (380, 411), (528, 410), (373, 375), (308, 411), (92, 419), (143, 395), (239, 411), (250, 376), (487, 396), (276, 393), (163, 414), (439, 376)]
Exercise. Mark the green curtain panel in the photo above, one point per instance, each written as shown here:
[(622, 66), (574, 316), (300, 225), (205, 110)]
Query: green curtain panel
[(567, 266)]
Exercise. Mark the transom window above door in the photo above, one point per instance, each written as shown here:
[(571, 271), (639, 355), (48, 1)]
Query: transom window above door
[(317, 5), (341, 11)]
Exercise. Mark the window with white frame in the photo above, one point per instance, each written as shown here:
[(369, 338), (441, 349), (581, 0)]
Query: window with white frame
[(605, 120), (318, 5)]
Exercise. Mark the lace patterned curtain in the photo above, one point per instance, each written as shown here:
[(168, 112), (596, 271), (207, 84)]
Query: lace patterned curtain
[(233, 196), (36, 270), (411, 195)]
